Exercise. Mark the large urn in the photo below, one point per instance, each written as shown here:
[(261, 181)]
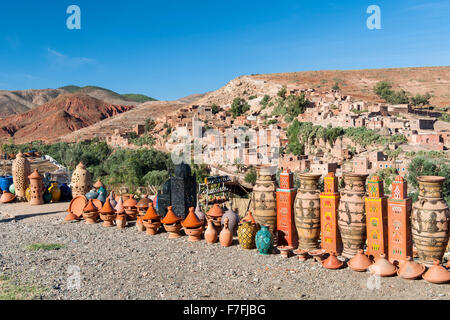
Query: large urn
[(20, 171), (81, 181), (430, 220), (352, 214), (264, 197), (307, 211)]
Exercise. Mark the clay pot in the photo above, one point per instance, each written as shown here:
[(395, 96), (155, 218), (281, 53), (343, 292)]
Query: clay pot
[(307, 211), (285, 251), (142, 206), (194, 234), (90, 213), (101, 197), (140, 224), (332, 262), (92, 194), (112, 199), (130, 209), (301, 254), (193, 227), (382, 267), (233, 220), (360, 262), (152, 221), (172, 224), (410, 270), (76, 207), (7, 197), (199, 214), (36, 188), (249, 217), (317, 254), (20, 172), (108, 214), (121, 220), (55, 192), (264, 197), (215, 214), (352, 215), (437, 273), (264, 240), (430, 220), (211, 233), (226, 235), (81, 181), (246, 235)]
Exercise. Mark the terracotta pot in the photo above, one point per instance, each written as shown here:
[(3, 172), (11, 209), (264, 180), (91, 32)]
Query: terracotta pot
[(90, 213), (211, 233), (81, 181), (233, 220), (332, 262), (226, 235), (130, 209), (382, 267), (249, 217), (36, 189), (152, 226), (143, 205), (112, 199), (307, 212), (215, 214), (98, 184), (430, 220), (317, 254), (20, 172), (360, 262), (410, 270), (437, 274), (121, 221), (199, 214), (108, 219), (352, 214), (173, 230), (301, 254), (285, 251), (194, 234), (7, 197), (264, 197), (246, 235), (70, 217), (140, 224)]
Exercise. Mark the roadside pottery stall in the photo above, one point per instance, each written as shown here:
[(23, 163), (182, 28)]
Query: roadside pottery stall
[(20, 172), (264, 197)]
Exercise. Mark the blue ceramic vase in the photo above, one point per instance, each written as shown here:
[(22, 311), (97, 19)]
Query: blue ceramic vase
[(264, 240), (6, 182)]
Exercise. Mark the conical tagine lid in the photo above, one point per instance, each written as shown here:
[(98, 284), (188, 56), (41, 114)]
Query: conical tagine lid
[(383, 267), (332, 262), (107, 208), (143, 203), (215, 211), (437, 274), (98, 184), (360, 262), (171, 217), (90, 207), (131, 202), (151, 213), (411, 269), (191, 220), (249, 218), (119, 206)]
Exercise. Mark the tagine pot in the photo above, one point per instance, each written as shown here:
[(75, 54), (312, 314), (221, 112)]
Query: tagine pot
[(130, 209), (382, 267), (76, 207), (410, 270), (246, 234), (152, 221), (332, 262), (121, 218), (307, 211), (211, 233), (108, 214), (7, 197), (437, 274), (215, 214), (92, 194), (90, 213), (352, 214), (112, 199), (226, 235), (140, 224), (172, 224), (192, 226), (264, 240), (264, 197), (199, 214), (360, 262), (430, 220)]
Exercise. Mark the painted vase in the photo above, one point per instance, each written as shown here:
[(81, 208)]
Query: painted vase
[(20, 172), (307, 212), (81, 181), (5, 182), (264, 197), (264, 240), (246, 234), (352, 214), (55, 192), (430, 220)]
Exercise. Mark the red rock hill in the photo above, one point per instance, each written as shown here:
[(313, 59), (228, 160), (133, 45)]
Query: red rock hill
[(63, 115)]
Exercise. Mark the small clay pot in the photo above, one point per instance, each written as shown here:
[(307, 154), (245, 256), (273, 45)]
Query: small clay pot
[(382, 267), (173, 230), (194, 234), (211, 233), (108, 219), (226, 235), (121, 221), (301, 254), (332, 262), (437, 274), (90, 217), (360, 262), (285, 251), (151, 227), (140, 224), (411, 270), (317, 254)]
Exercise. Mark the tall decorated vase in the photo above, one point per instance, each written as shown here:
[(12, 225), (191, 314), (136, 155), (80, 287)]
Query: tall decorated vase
[(264, 240), (307, 212), (246, 234), (430, 220), (264, 197), (352, 214), (20, 171), (81, 181)]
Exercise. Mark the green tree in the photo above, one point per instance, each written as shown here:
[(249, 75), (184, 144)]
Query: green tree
[(251, 175), (336, 86), (282, 92), (156, 178), (215, 108), (239, 107)]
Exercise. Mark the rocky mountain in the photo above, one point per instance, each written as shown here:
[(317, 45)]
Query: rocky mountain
[(67, 113)]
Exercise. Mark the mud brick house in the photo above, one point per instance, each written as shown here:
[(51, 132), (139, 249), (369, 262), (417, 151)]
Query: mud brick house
[(397, 109), (431, 141), (295, 163), (323, 167)]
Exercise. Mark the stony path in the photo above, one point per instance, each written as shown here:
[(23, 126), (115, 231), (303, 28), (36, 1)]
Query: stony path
[(126, 264)]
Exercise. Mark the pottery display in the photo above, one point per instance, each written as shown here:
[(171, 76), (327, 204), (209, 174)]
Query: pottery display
[(264, 240), (76, 207), (90, 213), (130, 209), (55, 192), (430, 220), (410, 269), (121, 218), (108, 214), (352, 214), (437, 274), (246, 234), (81, 181), (382, 267), (20, 172), (172, 224), (360, 262), (215, 214), (233, 220), (264, 197), (7, 197), (332, 262), (152, 221), (226, 235), (211, 232), (192, 226), (307, 211), (36, 188)]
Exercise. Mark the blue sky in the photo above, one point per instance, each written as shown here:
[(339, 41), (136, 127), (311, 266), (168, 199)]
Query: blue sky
[(170, 49)]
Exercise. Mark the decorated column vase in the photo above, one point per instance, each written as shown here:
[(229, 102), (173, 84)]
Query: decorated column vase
[(264, 197), (352, 215), (20, 171), (430, 220), (307, 212)]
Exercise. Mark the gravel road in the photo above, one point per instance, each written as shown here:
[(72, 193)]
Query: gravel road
[(126, 264)]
